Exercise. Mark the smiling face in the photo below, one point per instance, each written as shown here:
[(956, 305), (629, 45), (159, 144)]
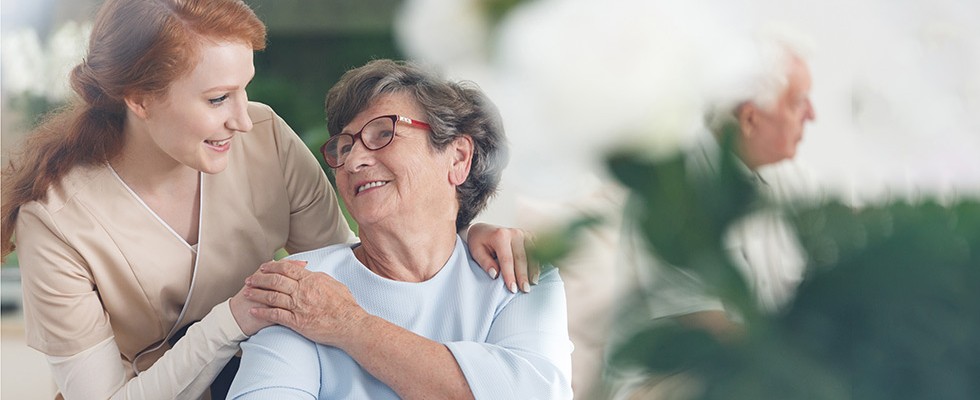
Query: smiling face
[(770, 136), (194, 123), (406, 182)]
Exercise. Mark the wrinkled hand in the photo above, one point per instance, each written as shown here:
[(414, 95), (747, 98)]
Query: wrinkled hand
[(502, 251), (313, 304), (241, 306)]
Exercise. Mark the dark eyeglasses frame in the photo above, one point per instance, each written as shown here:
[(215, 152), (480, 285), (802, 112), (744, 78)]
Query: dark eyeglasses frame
[(395, 119)]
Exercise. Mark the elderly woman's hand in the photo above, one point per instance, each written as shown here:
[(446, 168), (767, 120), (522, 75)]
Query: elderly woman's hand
[(313, 304), (241, 306), (502, 250)]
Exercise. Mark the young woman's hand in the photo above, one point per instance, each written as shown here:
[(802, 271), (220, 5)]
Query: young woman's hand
[(246, 299), (502, 252)]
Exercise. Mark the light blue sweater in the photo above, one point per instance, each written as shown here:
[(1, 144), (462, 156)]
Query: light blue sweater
[(509, 346)]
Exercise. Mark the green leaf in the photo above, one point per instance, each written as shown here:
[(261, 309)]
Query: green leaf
[(667, 348), (550, 247)]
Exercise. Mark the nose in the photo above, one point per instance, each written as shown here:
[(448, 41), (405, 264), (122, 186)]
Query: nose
[(239, 120), (358, 158), (811, 114)]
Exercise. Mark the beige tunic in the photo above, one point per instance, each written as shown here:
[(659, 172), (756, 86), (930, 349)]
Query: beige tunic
[(96, 263)]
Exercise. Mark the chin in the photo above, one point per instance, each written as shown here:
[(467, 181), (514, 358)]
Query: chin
[(214, 167)]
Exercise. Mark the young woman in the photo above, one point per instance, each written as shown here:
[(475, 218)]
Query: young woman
[(142, 209)]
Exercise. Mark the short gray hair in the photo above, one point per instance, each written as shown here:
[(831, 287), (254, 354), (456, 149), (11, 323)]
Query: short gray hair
[(452, 109), (773, 52)]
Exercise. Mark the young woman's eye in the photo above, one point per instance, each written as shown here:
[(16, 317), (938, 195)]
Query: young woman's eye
[(218, 100)]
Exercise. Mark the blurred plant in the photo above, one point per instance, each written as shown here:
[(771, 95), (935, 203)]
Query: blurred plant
[(35, 73), (889, 308), (496, 10)]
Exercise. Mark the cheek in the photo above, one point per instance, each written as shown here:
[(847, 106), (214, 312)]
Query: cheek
[(342, 183)]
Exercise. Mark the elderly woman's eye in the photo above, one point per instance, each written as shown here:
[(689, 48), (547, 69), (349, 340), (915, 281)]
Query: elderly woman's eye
[(387, 133), (345, 149)]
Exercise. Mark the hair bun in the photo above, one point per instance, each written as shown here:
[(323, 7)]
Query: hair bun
[(85, 83)]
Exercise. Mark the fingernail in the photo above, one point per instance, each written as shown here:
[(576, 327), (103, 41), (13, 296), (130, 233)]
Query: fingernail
[(526, 287), (262, 268), (493, 273), (534, 279), (513, 287)]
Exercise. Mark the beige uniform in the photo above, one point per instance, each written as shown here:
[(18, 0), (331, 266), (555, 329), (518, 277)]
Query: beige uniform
[(97, 263)]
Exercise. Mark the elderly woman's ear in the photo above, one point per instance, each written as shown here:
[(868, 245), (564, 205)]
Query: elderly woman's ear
[(462, 156)]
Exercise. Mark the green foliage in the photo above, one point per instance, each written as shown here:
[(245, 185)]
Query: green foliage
[(683, 213), (496, 10), (889, 307), (34, 108), (896, 311), (553, 246)]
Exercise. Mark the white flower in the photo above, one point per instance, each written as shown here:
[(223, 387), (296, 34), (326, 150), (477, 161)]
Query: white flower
[(23, 57), (66, 49), (33, 68), (591, 76), (444, 32)]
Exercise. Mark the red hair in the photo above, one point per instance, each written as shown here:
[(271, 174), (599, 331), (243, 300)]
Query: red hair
[(137, 47)]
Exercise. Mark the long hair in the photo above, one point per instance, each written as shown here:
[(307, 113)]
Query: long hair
[(137, 48)]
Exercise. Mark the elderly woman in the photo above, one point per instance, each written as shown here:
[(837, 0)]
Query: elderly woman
[(413, 315)]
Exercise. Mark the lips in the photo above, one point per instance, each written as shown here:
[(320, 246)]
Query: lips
[(369, 185), (219, 146), (218, 143)]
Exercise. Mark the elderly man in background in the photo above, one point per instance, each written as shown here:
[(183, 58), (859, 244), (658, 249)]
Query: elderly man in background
[(770, 110), (771, 113)]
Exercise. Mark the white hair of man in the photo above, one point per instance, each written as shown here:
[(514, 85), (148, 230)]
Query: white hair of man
[(758, 75)]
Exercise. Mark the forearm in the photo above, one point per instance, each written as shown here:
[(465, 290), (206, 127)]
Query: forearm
[(186, 371), (413, 366)]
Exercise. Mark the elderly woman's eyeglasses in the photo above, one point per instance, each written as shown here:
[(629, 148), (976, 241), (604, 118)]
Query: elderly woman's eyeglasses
[(375, 135)]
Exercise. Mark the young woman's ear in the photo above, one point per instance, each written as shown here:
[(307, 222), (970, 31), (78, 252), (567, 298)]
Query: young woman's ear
[(137, 105), (462, 156)]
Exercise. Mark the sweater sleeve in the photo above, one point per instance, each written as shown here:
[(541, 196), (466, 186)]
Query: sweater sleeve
[(184, 372), (527, 354), (277, 363)]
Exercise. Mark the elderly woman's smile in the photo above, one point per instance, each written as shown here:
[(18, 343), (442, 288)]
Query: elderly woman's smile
[(369, 185)]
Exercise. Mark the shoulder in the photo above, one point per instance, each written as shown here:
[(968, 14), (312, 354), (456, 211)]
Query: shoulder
[(260, 112), (324, 259), (549, 276), (265, 123), (476, 276), (269, 130), (70, 188), (790, 182)]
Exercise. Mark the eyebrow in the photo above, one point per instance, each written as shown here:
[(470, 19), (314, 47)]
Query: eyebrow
[(225, 88), (228, 88)]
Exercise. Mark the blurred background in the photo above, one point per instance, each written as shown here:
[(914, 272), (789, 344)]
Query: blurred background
[(896, 91)]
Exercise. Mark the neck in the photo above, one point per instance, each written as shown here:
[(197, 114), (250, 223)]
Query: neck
[(749, 163), (406, 254)]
